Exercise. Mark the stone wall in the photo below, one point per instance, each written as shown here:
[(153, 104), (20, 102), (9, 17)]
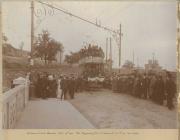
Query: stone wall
[(13, 103)]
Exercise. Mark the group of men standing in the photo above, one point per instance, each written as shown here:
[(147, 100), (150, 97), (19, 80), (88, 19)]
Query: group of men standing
[(46, 85), (147, 86), (69, 85)]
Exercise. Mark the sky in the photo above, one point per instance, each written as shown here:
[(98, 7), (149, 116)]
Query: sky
[(147, 27)]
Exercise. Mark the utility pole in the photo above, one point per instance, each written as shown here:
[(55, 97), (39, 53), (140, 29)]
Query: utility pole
[(133, 57), (178, 49), (137, 62), (106, 49), (110, 52), (153, 59), (178, 32), (119, 46), (32, 28)]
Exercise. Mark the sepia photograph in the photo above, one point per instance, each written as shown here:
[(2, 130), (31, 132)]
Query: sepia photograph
[(89, 64)]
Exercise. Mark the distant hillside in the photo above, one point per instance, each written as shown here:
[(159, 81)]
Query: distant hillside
[(9, 50)]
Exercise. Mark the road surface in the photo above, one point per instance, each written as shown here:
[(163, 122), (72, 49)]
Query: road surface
[(51, 114), (105, 109)]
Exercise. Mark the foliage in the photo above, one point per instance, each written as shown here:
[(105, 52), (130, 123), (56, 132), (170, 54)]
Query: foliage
[(128, 64), (46, 48), (91, 50), (72, 58)]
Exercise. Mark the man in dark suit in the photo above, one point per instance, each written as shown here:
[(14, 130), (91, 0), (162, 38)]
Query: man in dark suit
[(145, 86), (44, 86), (71, 86), (64, 87), (170, 90), (159, 90)]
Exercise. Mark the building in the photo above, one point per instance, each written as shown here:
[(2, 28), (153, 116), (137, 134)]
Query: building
[(59, 57), (153, 65)]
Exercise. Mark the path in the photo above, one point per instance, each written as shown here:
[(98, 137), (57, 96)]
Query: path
[(51, 114)]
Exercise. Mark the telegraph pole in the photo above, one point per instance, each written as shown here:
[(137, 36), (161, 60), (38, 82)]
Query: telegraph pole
[(137, 62), (32, 28), (178, 49), (119, 46), (133, 57), (110, 51), (178, 32), (153, 57), (106, 49)]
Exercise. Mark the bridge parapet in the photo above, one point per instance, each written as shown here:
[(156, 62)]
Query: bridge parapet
[(13, 103)]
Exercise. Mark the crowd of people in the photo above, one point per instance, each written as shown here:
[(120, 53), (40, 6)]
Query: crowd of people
[(91, 50), (154, 87), (55, 86)]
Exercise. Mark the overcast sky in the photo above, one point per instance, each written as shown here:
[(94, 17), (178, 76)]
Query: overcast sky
[(147, 27)]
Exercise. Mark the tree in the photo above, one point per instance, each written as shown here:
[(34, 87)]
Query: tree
[(46, 48), (128, 64), (68, 59), (92, 50), (74, 57)]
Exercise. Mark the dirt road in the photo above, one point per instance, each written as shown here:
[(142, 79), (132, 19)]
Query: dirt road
[(105, 109)]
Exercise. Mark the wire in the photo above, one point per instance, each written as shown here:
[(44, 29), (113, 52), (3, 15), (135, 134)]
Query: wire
[(78, 17)]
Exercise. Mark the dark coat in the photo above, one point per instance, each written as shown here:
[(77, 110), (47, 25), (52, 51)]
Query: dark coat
[(170, 88), (159, 91)]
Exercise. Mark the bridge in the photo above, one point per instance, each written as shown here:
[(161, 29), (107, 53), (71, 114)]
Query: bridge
[(19, 112)]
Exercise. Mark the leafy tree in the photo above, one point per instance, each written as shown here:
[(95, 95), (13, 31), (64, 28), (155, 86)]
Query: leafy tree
[(92, 50), (128, 64), (74, 57), (46, 48), (68, 59)]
